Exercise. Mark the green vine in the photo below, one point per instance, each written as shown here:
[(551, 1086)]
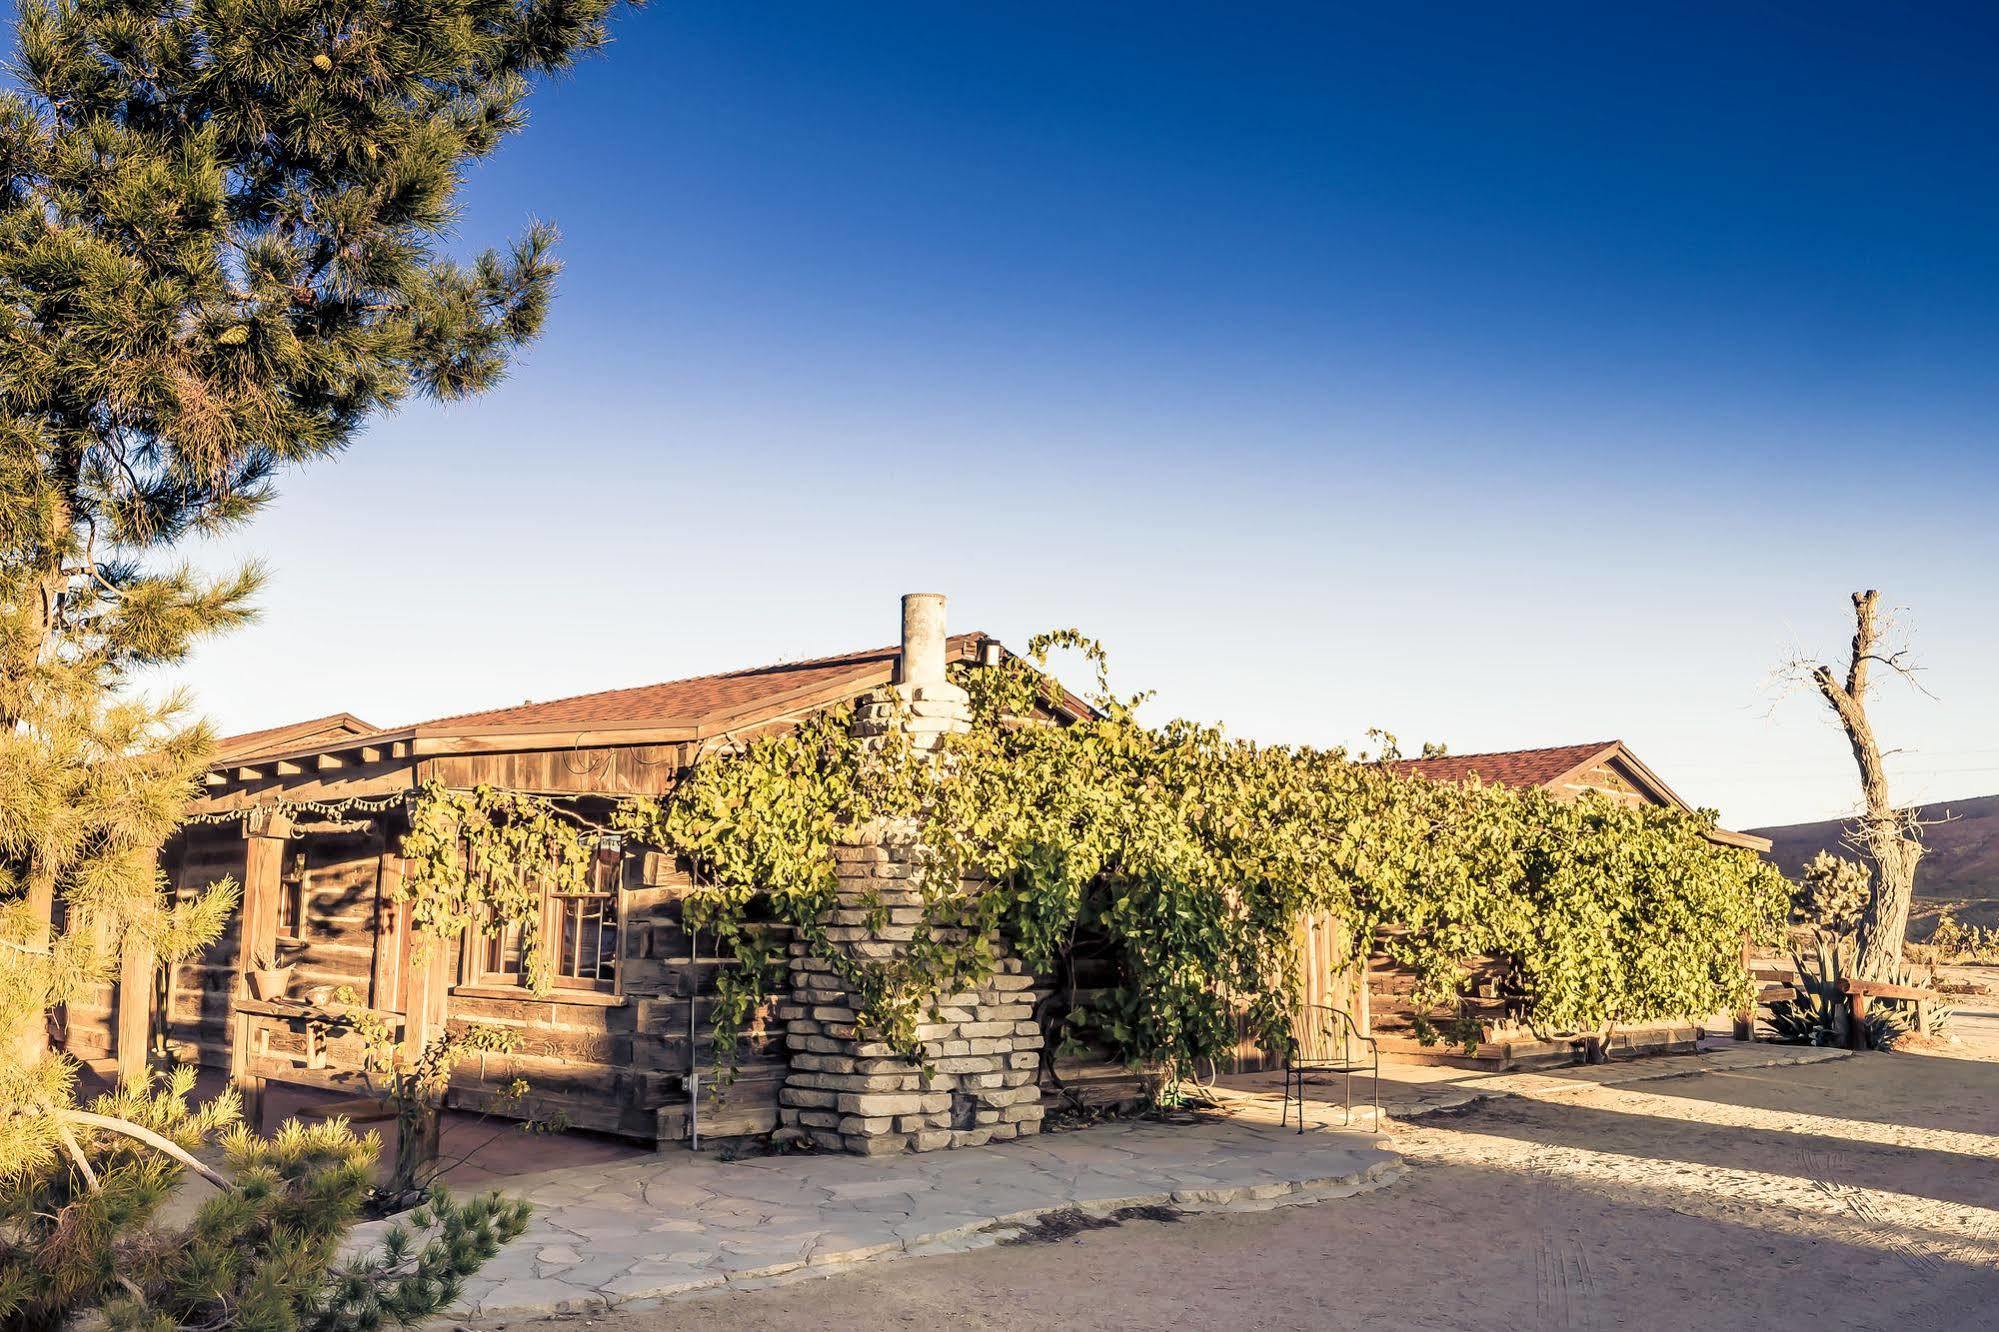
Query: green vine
[(1186, 857), (1191, 857), (482, 858)]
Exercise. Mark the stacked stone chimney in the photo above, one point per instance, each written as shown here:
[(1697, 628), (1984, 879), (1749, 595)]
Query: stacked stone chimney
[(978, 1076)]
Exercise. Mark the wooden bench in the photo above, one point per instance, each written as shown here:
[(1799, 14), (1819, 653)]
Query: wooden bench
[(1858, 992)]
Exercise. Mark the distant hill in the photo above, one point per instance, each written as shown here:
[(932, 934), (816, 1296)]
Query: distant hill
[(1960, 848)]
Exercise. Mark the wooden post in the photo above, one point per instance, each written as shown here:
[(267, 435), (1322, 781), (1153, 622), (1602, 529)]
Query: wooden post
[(135, 1009), (384, 977), (1745, 1021), (264, 833), (1856, 1035)]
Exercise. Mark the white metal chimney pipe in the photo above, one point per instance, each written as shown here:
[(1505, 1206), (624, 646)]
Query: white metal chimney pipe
[(922, 660)]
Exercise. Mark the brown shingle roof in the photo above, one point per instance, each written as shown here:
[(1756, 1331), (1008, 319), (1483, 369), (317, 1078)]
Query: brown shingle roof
[(1511, 767), (690, 700)]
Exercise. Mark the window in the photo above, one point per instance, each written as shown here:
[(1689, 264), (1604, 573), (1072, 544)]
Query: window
[(583, 926), (499, 955), (291, 899), (579, 930)]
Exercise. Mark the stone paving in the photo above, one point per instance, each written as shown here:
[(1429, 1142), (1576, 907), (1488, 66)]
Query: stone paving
[(676, 1223), (681, 1223)]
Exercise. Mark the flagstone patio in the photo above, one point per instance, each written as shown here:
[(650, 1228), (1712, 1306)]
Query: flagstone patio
[(678, 1223)]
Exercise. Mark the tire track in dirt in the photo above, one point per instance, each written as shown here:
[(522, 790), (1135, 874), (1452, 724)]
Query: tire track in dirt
[(1566, 1293)]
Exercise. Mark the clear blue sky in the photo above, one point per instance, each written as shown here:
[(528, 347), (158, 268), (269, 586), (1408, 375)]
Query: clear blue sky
[(1501, 376)]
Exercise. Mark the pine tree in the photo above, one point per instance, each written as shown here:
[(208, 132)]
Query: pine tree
[(223, 232), (263, 1254)]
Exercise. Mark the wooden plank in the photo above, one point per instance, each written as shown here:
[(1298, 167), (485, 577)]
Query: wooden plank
[(263, 866), (136, 964), (390, 917)]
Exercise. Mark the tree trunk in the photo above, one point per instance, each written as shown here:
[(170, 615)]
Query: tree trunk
[(1884, 831)]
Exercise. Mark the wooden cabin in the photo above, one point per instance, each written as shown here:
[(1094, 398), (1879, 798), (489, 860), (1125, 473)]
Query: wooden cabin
[(309, 819), (1606, 768)]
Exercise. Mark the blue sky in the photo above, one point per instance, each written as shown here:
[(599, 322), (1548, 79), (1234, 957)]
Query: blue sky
[(1493, 375)]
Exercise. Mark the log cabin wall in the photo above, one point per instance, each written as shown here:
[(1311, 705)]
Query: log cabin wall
[(618, 1063), (1610, 780), (611, 1062)]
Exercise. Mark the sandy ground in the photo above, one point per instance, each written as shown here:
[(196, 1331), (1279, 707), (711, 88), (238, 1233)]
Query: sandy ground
[(1857, 1194)]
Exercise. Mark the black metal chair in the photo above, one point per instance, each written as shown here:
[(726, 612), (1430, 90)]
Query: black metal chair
[(1325, 1040)]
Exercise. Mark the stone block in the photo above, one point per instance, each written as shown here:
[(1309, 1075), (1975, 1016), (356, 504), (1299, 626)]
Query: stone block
[(976, 1030), (885, 1144), (871, 1104)]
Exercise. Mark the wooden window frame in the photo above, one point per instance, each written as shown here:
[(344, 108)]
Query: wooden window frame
[(607, 876)]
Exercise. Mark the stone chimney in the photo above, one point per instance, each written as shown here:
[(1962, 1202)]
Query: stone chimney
[(929, 704), (923, 639), (977, 1077)]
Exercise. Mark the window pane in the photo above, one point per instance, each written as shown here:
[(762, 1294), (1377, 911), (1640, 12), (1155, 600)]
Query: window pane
[(589, 938), (500, 952)]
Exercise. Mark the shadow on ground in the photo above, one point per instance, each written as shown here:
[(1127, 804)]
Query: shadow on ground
[(1859, 1194)]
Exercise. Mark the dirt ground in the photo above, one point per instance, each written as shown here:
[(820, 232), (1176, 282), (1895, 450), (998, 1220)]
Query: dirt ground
[(1862, 1193)]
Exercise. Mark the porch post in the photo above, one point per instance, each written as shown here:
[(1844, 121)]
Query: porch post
[(133, 1008), (264, 835)]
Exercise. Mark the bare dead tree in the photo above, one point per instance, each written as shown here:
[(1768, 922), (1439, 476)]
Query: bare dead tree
[(1888, 836)]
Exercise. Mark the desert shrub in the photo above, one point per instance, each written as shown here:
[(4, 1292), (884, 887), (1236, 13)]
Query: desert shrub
[(1832, 892)]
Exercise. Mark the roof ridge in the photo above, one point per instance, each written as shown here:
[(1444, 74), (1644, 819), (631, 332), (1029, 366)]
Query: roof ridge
[(1593, 745), (804, 663)]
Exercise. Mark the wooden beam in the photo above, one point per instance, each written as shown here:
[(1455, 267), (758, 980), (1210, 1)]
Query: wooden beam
[(249, 774), (286, 768), (214, 779), (257, 942), (327, 762), (515, 742), (389, 915), (133, 1006), (371, 753), (400, 749)]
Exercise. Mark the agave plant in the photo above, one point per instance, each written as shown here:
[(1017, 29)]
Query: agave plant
[(1819, 1015)]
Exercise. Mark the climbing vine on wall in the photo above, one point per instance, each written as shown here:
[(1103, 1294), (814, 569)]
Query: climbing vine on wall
[(1187, 858), (482, 859)]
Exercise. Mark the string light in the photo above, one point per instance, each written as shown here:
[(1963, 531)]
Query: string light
[(291, 809), (338, 809)]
